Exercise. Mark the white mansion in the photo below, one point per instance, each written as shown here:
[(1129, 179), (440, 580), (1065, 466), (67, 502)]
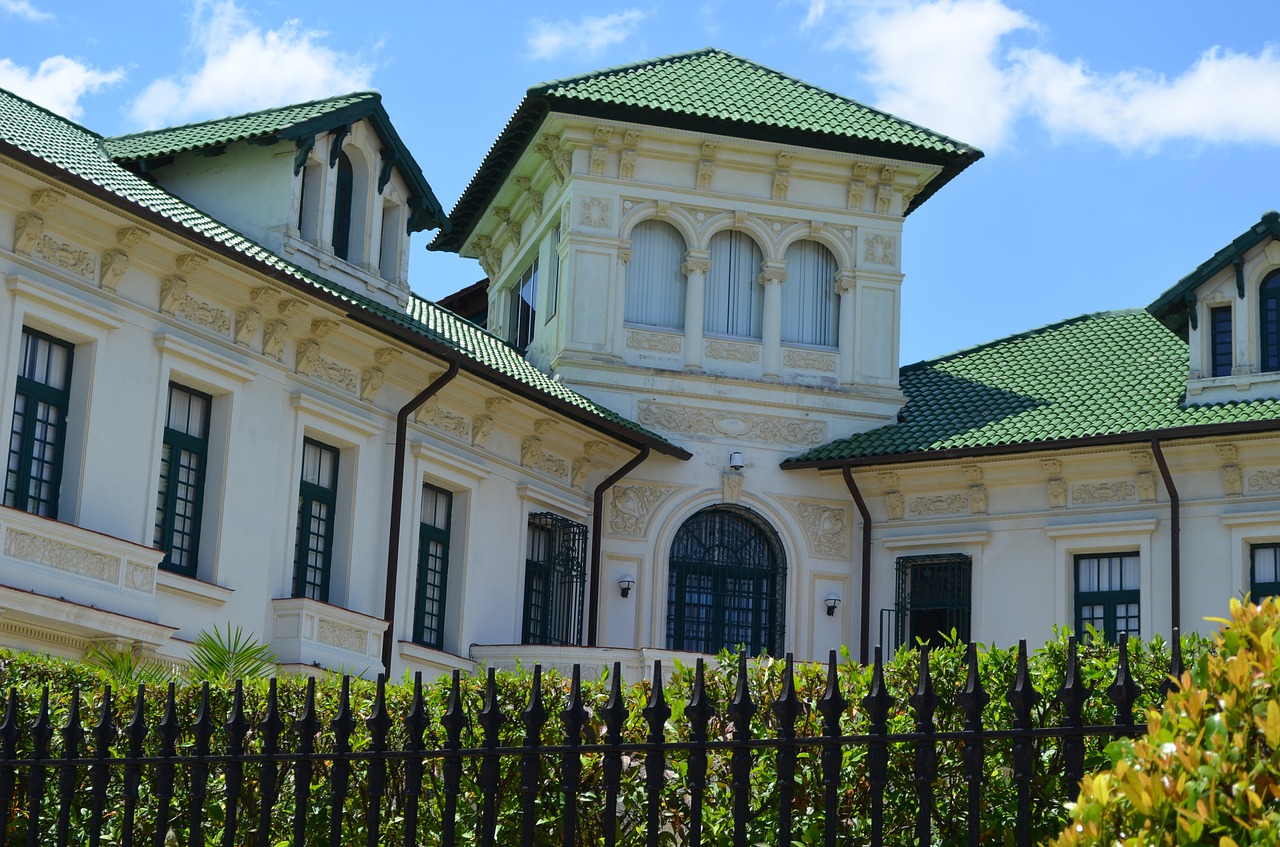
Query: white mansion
[(679, 425)]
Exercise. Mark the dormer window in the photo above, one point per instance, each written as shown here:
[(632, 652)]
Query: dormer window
[(342, 207), (1220, 352), (1269, 321)]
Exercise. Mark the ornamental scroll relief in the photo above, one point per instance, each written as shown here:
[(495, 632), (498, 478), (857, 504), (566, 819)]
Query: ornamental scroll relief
[(879, 249), (653, 341), (769, 429), (312, 364), (809, 360), (343, 637), (1103, 492), (1264, 480), (64, 557), (732, 352), (65, 256), (436, 416), (943, 504), (631, 506), (826, 526), (533, 456)]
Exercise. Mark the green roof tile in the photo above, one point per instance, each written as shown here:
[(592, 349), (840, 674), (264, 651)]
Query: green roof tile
[(80, 153), (1108, 374)]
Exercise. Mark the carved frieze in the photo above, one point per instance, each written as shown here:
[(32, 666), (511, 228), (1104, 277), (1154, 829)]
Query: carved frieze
[(248, 322), (809, 360), (111, 271), (438, 417), (943, 504), (64, 255), (879, 249), (62, 556), (533, 456), (594, 212), (311, 363), (1103, 492), (631, 506), (343, 637), (769, 429), (826, 526), (655, 342), (1264, 480), (204, 314), (732, 352)]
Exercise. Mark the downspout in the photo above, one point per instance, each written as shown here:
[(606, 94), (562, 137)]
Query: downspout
[(866, 562), (597, 525), (397, 505), (1175, 536)]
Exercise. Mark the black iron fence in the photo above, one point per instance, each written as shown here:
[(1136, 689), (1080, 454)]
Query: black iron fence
[(580, 776)]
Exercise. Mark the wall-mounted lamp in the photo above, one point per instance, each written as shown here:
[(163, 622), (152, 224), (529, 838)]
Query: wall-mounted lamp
[(735, 460), (833, 603), (625, 583)]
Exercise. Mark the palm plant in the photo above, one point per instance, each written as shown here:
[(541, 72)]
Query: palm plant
[(218, 657)]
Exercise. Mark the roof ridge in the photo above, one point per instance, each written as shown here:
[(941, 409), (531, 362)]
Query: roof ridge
[(224, 118), (1026, 333), (54, 115), (543, 87)]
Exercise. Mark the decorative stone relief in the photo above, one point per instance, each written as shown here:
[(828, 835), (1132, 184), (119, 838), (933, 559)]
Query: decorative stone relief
[(781, 182), (1052, 467), (731, 486), (706, 170), (1232, 480), (248, 322), (826, 526), (312, 364), (594, 212), (972, 473), (857, 193), (599, 156), (62, 556), (535, 203), (893, 505), (582, 467), (274, 335), (291, 307), (772, 274), (770, 429), (386, 355), (879, 249), (696, 265), (45, 199), (653, 342), (943, 504), (323, 327), (436, 416), (523, 183), (533, 456), (30, 239), (1264, 480), (624, 255), (111, 269), (27, 230), (889, 479), (978, 499), (481, 429), (594, 449), (888, 173), (809, 360), (550, 148), (263, 295), (1146, 486), (131, 236), (630, 507), (371, 379), (1057, 489), (1103, 492), (884, 197), (732, 352), (343, 637), (627, 164), (174, 300), (173, 289), (140, 577), (189, 262), (544, 425), (494, 405)]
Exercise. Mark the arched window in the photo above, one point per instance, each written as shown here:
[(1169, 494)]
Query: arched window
[(809, 308), (734, 296), (655, 283), (727, 584), (1269, 318), (342, 207)]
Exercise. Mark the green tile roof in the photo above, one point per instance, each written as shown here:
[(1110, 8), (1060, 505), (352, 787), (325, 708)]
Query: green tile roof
[(710, 91), (1109, 374), (299, 123), (29, 131)]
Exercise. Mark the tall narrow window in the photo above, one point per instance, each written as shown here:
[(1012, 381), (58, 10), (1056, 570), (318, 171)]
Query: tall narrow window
[(317, 506), (389, 247), (1269, 317), (1107, 593), (554, 580), (524, 303), (553, 276), (1220, 341), (309, 196), (1264, 571), (38, 436), (734, 296), (182, 472), (809, 308), (433, 567), (342, 199), (934, 598), (655, 282)]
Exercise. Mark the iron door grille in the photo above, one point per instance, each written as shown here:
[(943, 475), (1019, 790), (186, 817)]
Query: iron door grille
[(554, 580), (934, 597)]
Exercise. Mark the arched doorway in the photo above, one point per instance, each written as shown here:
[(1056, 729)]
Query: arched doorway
[(727, 584)]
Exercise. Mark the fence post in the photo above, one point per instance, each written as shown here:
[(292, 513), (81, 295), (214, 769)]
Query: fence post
[(573, 717), (741, 710), (270, 727), (787, 708), (615, 712), (877, 704), (923, 702), (1073, 694), (491, 720), (533, 717), (655, 714), (1023, 697), (831, 706), (104, 732), (972, 699), (454, 721), (379, 724), (699, 713), (415, 726)]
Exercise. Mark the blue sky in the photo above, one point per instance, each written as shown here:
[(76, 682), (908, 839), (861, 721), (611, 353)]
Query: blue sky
[(1126, 142)]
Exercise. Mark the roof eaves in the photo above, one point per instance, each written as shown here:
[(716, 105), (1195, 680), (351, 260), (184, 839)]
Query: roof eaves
[(1174, 300)]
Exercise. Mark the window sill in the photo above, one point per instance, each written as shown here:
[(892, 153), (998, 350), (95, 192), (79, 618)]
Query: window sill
[(420, 656)]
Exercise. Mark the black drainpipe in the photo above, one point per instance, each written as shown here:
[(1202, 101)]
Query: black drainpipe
[(863, 652), (1175, 536), (597, 525), (397, 506)]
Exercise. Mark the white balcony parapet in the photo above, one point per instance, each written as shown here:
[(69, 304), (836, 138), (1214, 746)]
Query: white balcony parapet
[(310, 633)]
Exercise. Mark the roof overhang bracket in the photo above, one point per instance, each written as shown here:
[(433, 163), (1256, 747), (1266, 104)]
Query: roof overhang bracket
[(1238, 261), (388, 162), (146, 166), (1193, 314), (305, 145), (335, 146)]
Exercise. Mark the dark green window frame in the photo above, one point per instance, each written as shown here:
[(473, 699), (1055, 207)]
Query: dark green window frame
[(37, 439), (433, 567), (317, 514), (524, 308), (555, 579), (1269, 321), (1108, 592), (934, 598), (1221, 356), (1264, 571), (184, 463)]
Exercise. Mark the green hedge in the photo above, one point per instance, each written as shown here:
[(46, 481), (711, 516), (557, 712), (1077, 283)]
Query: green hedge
[(28, 674)]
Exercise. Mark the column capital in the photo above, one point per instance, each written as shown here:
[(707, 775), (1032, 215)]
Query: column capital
[(696, 262), (845, 281), (773, 272)]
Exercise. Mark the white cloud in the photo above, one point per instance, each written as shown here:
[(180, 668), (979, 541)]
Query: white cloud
[(588, 37), (949, 65), (57, 84), (243, 67), (24, 9)]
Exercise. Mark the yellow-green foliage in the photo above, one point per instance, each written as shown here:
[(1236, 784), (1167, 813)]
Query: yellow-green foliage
[(1208, 769)]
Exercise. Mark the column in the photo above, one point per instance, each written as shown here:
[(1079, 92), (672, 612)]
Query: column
[(772, 275), (846, 283), (696, 265)]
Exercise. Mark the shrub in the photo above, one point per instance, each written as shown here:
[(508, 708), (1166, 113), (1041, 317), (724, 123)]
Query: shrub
[(1208, 769)]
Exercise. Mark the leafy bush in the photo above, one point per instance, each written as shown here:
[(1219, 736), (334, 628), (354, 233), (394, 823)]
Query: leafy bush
[(30, 674), (1208, 769)]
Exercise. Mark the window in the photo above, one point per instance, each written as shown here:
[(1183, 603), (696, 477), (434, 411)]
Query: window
[(38, 436), (309, 194), (809, 307), (734, 296), (553, 278), (1107, 593), (317, 503), (433, 567), (1269, 317), (934, 597), (554, 580), (1220, 355), (183, 460), (389, 247), (342, 201), (1264, 571), (655, 282), (524, 303), (726, 585)]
